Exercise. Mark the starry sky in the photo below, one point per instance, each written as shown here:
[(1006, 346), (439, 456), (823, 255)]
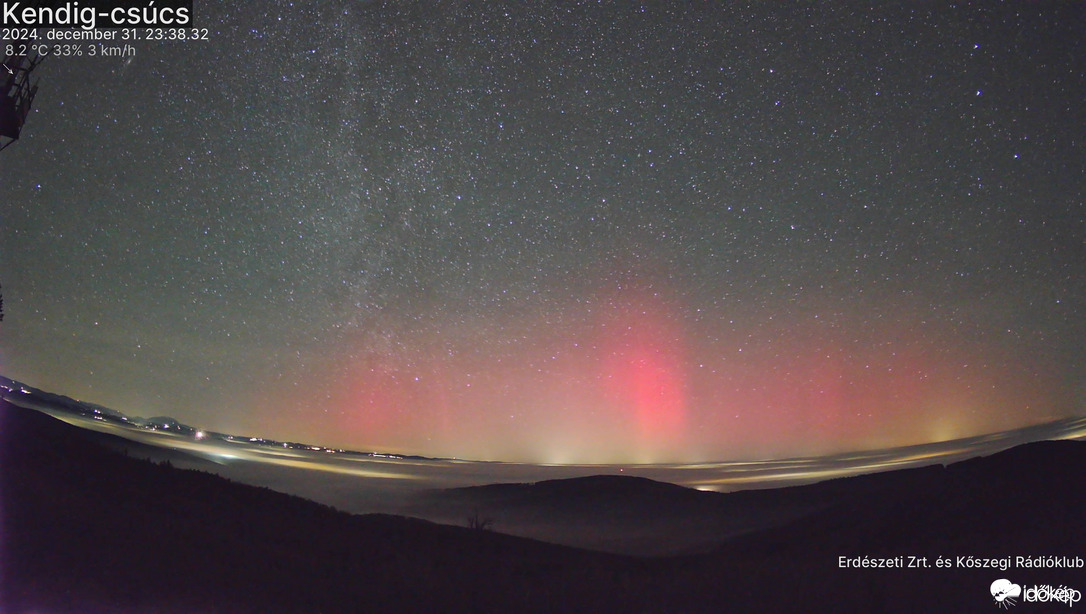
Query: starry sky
[(563, 231)]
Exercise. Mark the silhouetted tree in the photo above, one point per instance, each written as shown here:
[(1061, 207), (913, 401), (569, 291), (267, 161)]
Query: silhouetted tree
[(479, 523), (1, 302)]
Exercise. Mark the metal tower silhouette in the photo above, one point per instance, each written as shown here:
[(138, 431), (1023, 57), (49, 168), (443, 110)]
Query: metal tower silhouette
[(18, 93)]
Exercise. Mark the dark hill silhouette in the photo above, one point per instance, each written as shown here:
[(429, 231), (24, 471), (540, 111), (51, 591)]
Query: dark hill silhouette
[(87, 529), (963, 503), (621, 514), (1026, 501)]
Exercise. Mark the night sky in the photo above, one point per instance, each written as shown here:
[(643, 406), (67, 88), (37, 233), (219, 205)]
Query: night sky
[(563, 231)]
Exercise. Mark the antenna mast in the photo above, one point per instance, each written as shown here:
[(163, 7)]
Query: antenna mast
[(17, 93)]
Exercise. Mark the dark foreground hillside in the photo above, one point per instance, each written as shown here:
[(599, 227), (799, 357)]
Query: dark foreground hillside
[(88, 530)]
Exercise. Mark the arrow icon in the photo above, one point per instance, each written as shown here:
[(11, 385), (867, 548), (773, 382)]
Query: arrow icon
[(8, 69)]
